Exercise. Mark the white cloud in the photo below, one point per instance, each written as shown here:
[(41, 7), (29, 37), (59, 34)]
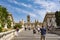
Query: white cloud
[(49, 6), (20, 10), (19, 3), (32, 14), (40, 15), (26, 5), (29, 13)]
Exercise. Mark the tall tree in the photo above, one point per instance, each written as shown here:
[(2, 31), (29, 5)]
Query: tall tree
[(9, 23), (57, 15), (17, 25), (3, 15)]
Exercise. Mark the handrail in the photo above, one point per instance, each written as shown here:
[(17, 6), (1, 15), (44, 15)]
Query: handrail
[(6, 33)]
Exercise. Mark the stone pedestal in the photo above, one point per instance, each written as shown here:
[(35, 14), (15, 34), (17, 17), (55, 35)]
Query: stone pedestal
[(6, 26)]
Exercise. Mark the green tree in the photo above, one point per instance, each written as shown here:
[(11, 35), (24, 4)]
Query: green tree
[(57, 15), (0, 29), (3, 15), (17, 25), (9, 23)]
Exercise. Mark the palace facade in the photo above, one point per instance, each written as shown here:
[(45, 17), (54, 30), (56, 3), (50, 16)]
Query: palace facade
[(49, 20), (29, 23)]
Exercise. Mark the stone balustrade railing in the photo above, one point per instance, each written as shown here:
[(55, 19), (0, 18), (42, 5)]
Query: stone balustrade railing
[(7, 35)]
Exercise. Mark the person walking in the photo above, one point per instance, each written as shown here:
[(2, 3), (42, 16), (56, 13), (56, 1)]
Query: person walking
[(17, 30), (43, 32), (38, 29), (34, 31), (25, 28)]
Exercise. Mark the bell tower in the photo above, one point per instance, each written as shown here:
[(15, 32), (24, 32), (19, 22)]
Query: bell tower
[(28, 20)]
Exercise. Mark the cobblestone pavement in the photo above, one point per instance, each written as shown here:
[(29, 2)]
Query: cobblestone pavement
[(28, 35)]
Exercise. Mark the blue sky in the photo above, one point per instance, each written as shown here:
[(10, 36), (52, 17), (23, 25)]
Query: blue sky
[(35, 8)]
